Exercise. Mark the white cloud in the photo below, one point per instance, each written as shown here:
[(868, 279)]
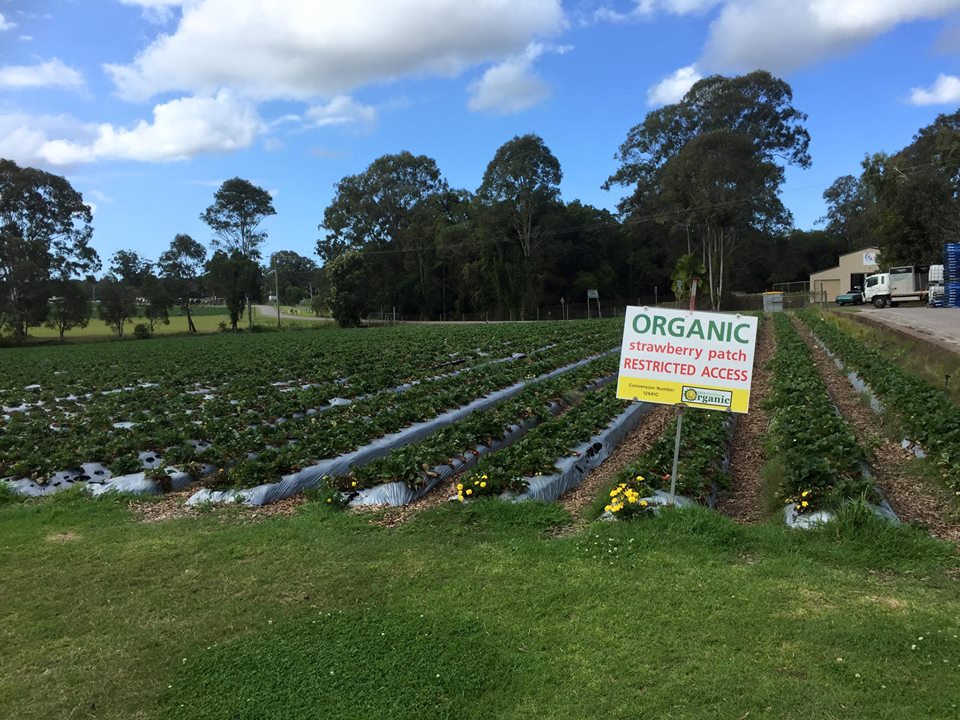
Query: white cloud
[(156, 11), (673, 87), (180, 129), (6, 24), (646, 9), (26, 38), (342, 111), (945, 91), (310, 48), (23, 136), (273, 144), (99, 196), (52, 73), (781, 35), (512, 86)]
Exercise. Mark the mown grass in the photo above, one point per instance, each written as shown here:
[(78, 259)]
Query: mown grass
[(206, 319), (482, 611)]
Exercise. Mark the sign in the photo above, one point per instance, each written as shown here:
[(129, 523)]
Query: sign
[(593, 295), (869, 258), (700, 359), (679, 289)]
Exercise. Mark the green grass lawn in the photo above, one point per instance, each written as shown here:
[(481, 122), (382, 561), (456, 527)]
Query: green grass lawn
[(206, 319), (483, 611)]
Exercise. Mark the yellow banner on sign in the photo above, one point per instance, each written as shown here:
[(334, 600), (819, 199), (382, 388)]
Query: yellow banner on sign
[(690, 394)]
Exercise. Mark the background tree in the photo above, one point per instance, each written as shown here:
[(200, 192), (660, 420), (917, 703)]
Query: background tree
[(699, 162), (131, 269), (393, 212), (520, 186), (848, 212), (723, 187), (689, 269), (231, 277), (299, 276), (349, 288), (117, 304), (69, 307), (238, 208), (180, 268), (159, 301), (44, 234), (916, 195)]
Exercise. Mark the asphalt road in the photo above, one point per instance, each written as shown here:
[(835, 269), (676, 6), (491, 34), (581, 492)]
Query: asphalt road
[(937, 325)]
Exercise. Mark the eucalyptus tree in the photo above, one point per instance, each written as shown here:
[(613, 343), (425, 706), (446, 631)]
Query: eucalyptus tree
[(69, 307), (45, 235), (521, 186), (180, 269), (238, 208), (700, 162), (392, 212)]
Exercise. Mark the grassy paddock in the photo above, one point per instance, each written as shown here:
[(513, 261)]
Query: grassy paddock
[(206, 319), (478, 611)]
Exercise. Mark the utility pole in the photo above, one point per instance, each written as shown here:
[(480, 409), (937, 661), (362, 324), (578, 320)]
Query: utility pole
[(276, 286)]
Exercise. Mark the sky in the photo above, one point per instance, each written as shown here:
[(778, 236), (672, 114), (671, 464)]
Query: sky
[(147, 106)]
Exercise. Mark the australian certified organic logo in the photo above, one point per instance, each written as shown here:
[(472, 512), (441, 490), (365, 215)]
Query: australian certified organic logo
[(704, 396)]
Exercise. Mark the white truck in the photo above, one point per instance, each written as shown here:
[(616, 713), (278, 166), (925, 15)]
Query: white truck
[(902, 284)]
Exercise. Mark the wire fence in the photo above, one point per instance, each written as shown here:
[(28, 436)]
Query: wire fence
[(737, 302)]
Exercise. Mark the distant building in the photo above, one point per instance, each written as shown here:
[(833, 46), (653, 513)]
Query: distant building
[(849, 273)]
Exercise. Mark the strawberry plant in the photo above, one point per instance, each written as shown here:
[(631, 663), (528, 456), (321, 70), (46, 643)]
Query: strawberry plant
[(924, 411), (817, 448)]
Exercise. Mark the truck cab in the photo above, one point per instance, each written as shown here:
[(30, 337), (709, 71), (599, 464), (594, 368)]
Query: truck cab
[(901, 284)]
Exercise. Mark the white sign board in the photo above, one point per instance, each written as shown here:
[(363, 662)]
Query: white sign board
[(593, 295), (700, 359)]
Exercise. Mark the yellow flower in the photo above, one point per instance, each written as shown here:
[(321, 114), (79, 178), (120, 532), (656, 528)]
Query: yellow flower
[(804, 493), (639, 478), (483, 484), (613, 493), (476, 482), (469, 491), (804, 504), (459, 486), (329, 500), (643, 503), (484, 477), (608, 508), (353, 484)]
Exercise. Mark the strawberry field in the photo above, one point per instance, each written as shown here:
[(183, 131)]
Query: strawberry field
[(383, 417), (235, 412)]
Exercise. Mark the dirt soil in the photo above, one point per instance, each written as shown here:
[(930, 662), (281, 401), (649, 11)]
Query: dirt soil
[(172, 506), (744, 501), (915, 502), (652, 426)]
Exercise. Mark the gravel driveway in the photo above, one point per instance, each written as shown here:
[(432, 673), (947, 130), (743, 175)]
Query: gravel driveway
[(937, 325)]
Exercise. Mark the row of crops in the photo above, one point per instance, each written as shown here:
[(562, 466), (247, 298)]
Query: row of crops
[(923, 411), (821, 463)]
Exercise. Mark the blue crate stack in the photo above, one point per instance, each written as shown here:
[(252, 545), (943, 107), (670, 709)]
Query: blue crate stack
[(951, 273)]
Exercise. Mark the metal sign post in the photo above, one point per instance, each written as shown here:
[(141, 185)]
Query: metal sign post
[(676, 455), (563, 309), (593, 295)]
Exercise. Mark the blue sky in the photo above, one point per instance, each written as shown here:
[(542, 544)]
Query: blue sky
[(146, 106)]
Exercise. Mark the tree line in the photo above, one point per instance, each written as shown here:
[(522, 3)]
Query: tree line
[(702, 179)]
